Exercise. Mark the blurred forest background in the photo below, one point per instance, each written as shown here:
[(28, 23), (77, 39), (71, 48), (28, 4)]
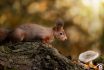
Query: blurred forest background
[(84, 20)]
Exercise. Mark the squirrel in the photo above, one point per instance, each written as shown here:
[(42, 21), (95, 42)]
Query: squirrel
[(32, 31)]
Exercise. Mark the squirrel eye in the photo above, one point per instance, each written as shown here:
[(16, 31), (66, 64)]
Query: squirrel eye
[(61, 33)]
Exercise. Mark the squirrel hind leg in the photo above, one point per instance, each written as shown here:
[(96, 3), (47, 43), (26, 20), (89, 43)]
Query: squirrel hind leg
[(3, 35), (18, 35)]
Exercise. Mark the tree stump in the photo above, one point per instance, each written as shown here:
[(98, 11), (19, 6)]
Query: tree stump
[(33, 56)]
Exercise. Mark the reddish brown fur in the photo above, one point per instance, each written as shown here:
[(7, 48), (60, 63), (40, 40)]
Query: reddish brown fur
[(3, 34), (28, 32)]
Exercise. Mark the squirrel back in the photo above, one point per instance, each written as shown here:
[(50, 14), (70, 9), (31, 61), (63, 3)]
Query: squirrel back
[(31, 32)]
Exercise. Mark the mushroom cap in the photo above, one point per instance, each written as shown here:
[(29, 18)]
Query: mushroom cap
[(88, 56)]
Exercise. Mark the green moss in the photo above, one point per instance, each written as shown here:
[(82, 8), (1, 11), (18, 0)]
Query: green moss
[(99, 60)]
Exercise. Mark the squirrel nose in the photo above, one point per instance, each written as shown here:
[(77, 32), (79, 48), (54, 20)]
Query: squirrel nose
[(65, 38)]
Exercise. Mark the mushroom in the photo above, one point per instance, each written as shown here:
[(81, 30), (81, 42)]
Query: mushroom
[(87, 57)]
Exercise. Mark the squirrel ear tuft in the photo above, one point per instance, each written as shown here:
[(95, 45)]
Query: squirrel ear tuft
[(59, 23)]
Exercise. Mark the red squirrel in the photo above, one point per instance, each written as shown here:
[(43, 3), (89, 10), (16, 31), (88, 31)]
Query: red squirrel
[(32, 31)]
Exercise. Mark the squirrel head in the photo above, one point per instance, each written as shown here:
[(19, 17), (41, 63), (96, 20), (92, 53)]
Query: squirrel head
[(59, 31)]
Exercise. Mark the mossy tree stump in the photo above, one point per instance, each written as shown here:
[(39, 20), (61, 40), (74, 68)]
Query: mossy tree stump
[(33, 56)]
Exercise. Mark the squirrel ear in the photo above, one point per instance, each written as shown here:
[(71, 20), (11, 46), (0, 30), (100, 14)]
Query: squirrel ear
[(59, 23), (57, 28)]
